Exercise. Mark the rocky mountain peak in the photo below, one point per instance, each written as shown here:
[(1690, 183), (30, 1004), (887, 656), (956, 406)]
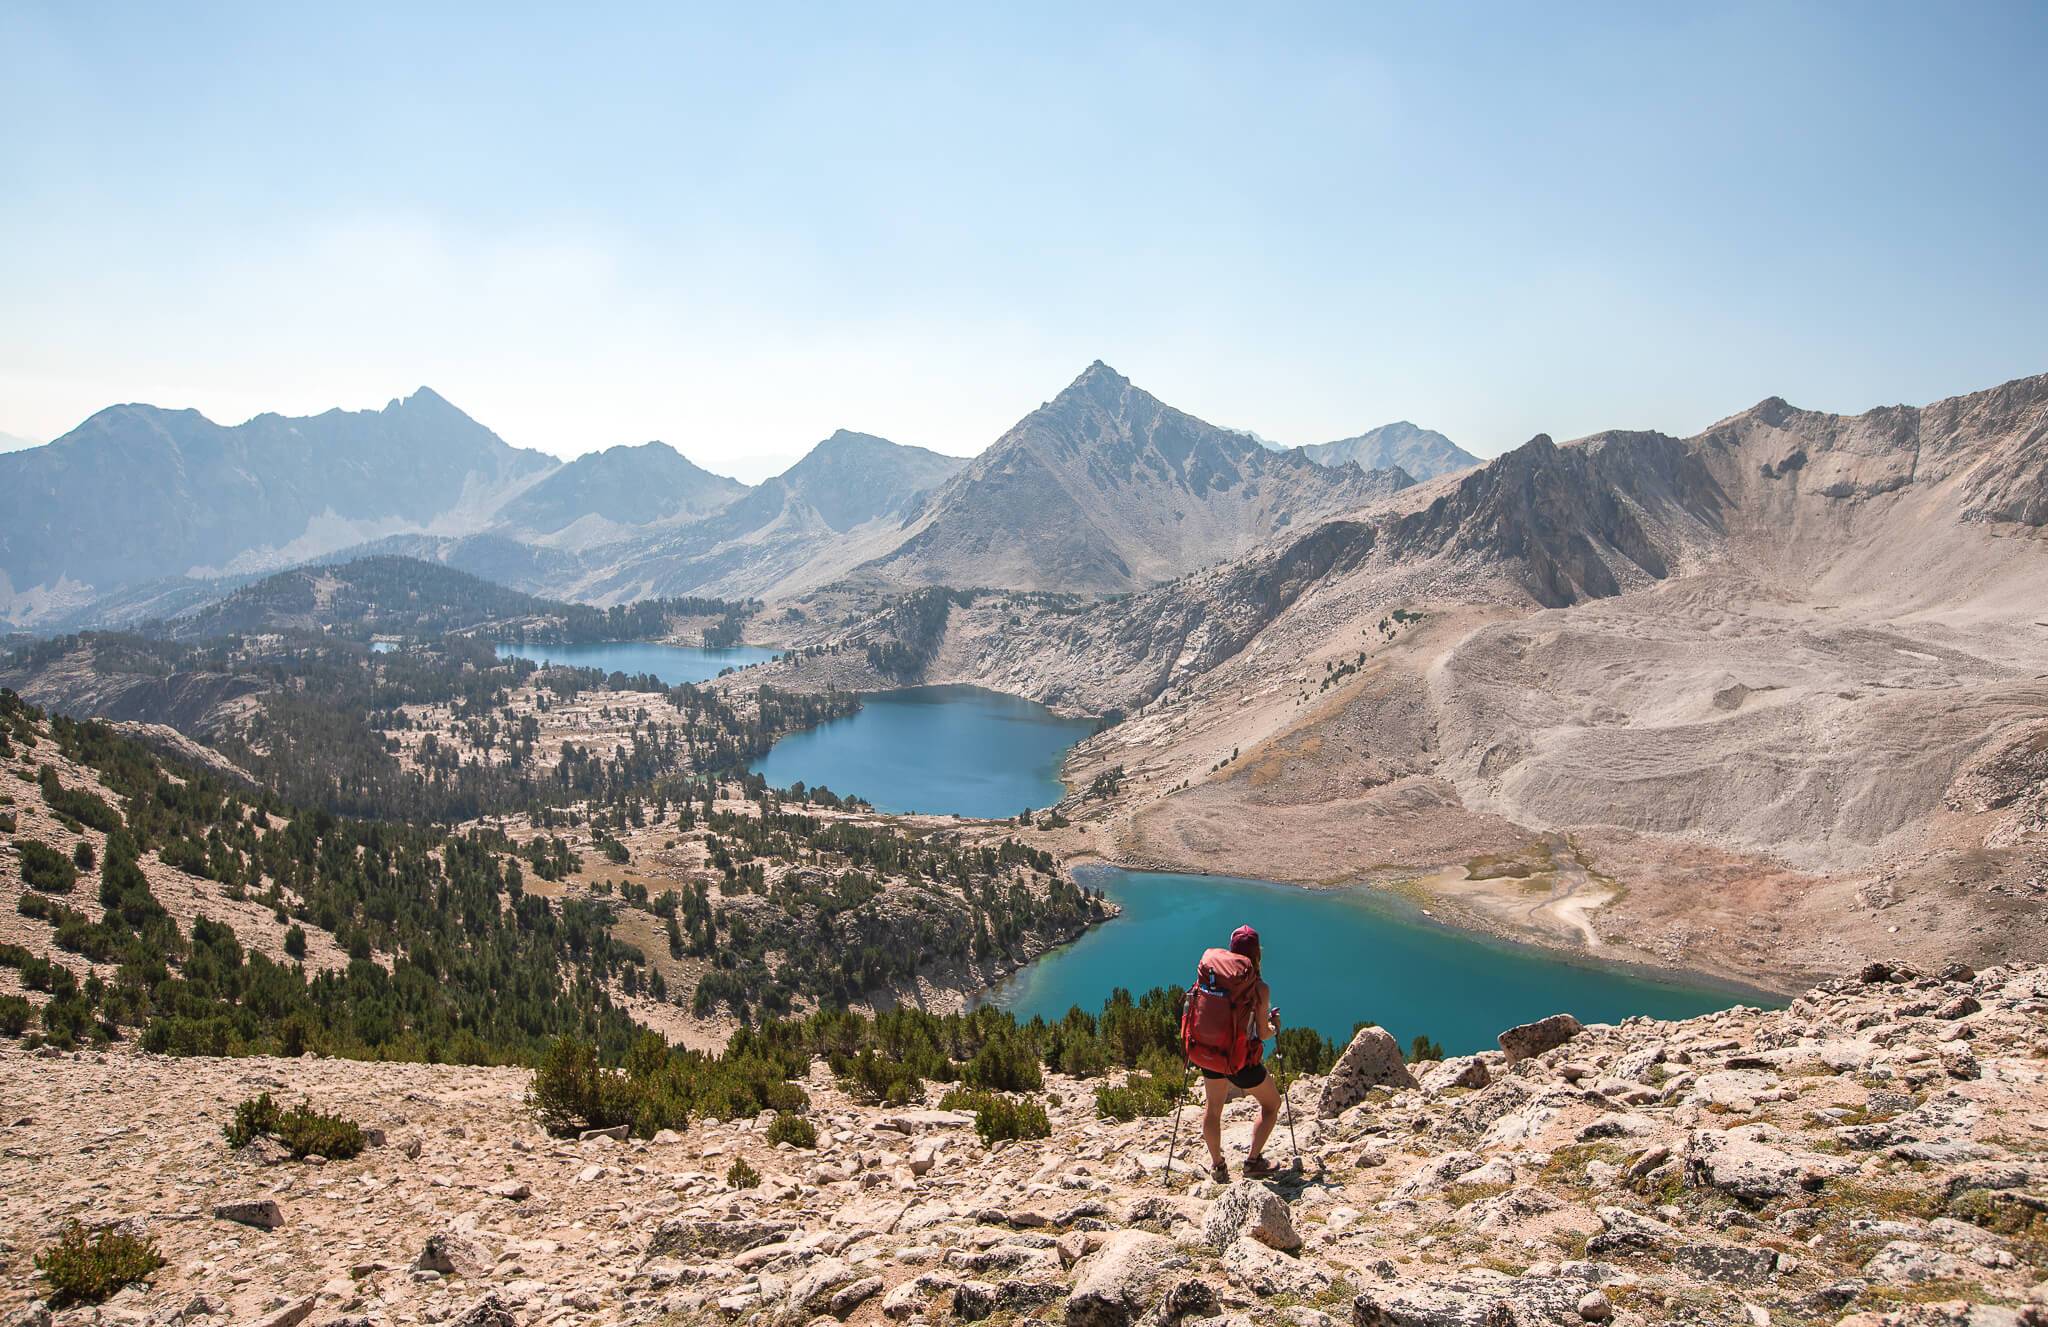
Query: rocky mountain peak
[(1101, 386), (847, 443), (424, 397)]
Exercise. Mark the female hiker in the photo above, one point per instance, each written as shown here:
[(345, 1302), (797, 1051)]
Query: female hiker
[(1229, 1015)]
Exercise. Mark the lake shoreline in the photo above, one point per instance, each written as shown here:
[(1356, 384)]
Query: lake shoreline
[(946, 749), (1473, 925), (1342, 957)]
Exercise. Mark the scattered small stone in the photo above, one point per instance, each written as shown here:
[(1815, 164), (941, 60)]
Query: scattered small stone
[(291, 1315), (262, 1213)]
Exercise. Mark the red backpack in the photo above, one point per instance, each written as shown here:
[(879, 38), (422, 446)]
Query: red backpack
[(1215, 1024)]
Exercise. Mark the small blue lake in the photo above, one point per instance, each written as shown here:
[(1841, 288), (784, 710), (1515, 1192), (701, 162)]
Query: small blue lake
[(948, 750), (673, 664), (1334, 957)]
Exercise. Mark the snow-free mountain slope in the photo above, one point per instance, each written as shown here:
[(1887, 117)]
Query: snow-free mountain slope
[(1105, 488), (851, 478), (620, 486), (843, 502), (138, 492), (1423, 453)]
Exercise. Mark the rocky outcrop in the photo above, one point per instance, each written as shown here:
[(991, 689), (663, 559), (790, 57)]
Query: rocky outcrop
[(1545, 1034), (1250, 1210), (1113, 1288), (1373, 1059)]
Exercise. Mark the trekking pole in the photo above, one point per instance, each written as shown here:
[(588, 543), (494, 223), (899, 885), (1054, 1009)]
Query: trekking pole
[(1167, 1174), (1287, 1109)]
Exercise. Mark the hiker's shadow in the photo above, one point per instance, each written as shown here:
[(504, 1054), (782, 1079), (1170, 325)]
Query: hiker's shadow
[(1293, 1181)]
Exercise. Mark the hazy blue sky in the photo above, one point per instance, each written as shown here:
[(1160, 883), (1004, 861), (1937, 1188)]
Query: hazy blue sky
[(739, 231)]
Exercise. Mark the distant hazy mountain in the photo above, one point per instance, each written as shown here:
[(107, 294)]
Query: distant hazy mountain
[(846, 498), (1423, 453), (852, 478), (14, 442), (138, 492), (142, 509), (1106, 488), (843, 502), (622, 485)]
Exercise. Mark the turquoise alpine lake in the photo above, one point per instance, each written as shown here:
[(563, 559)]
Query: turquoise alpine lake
[(1334, 957), (946, 750), (673, 664)]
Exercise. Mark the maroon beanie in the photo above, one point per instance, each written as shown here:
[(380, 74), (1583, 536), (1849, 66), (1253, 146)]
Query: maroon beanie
[(1244, 940)]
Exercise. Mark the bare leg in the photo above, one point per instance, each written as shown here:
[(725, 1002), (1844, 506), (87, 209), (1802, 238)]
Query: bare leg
[(1215, 1092), (1267, 1094)]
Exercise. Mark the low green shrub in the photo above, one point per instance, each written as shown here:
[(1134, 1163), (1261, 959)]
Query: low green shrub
[(998, 1117), (792, 1129), (571, 1091), (302, 1130), (663, 1087), (1006, 1062), (1304, 1051), (308, 1132), (87, 1268), (253, 1119), (875, 1077), (44, 868), (15, 1015), (77, 804), (1151, 1095), (740, 1175)]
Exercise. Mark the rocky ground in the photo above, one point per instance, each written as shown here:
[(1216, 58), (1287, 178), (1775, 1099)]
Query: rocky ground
[(1875, 1154)]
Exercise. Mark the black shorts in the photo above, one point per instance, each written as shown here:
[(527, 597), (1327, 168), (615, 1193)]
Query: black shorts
[(1245, 1079)]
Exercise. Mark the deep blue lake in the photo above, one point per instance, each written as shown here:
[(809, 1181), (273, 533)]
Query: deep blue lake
[(948, 750), (1334, 957), (673, 664)]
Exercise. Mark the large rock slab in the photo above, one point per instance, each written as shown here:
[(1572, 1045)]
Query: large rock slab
[(1739, 1162), (1471, 1299), (1626, 1231), (1438, 1171), (1529, 1040), (1114, 1287), (1373, 1059), (1730, 1264), (709, 1237), (1250, 1210), (454, 1253), (1466, 1071), (1904, 1262), (908, 1299), (818, 1287), (1265, 1271), (290, 1315), (489, 1311)]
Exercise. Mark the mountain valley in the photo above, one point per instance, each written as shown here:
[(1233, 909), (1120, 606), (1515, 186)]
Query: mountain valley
[(1767, 705)]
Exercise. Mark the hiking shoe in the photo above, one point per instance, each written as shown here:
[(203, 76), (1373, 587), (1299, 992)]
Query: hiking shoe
[(1258, 1166), (1220, 1173)]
